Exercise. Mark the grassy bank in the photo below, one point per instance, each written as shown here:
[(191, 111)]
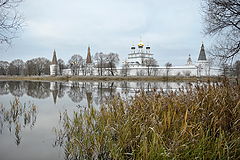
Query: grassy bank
[(108, 78), (197, 122)]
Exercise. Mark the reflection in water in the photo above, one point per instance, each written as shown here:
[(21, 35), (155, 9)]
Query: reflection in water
[(76, 92), (66, 95), (17, 89), (4, 88), (61, 89), (95, 93), (16, 116), (38, 90)]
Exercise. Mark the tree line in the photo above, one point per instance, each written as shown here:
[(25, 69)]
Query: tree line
[(35, 66), (41, 66), (103, 62)]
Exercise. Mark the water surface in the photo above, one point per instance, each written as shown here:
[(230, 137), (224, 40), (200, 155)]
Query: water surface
[(35, 140)]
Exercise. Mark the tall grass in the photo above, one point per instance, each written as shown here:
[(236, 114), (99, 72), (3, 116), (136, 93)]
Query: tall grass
[(17, 116), (197, 122)]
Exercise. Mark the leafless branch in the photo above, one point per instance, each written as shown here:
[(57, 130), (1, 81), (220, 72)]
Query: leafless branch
[(10, 20), (222, 22)]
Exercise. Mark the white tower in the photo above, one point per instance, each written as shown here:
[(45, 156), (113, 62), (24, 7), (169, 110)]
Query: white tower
[(54, 67), (202, 63), (139, 55)]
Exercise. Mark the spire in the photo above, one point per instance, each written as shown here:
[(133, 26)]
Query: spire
[(189, 61), (202, 55), (89, 59), (54, 59)]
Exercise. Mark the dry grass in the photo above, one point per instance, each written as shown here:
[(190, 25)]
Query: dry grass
[(197, 122), (18, 116)]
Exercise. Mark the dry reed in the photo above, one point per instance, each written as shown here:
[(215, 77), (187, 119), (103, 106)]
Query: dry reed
[(197, 122)]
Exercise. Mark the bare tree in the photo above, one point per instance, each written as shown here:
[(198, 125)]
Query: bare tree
[(37, 66), (62, 65), (112, 60), (168, 66), (10, 20), (222, 21), (236, 67), (75, 63), (100, 59), (4, 65), (226, 69), (16, 67), (150, 63), (30, 68), (125, 69), (42, 65)]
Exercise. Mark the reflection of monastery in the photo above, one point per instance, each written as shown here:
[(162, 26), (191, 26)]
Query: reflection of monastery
[(96, 93), (140, 62)]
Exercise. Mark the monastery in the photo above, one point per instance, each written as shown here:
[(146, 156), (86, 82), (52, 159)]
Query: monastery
[(140, 62)]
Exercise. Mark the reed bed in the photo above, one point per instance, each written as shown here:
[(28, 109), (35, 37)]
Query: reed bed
[(17, 116), (196, 122)]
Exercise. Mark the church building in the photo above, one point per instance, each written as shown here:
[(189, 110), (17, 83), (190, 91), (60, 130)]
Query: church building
[(141, 62), (138, 56)]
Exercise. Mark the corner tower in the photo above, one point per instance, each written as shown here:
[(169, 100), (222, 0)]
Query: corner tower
[(89, 58), (54, 68), (202, 54), (202, 63), (89, 64)]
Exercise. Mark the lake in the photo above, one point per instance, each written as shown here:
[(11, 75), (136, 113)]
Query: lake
[(28, 132)]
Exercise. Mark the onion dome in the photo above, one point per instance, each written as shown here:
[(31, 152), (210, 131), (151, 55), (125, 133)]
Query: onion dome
[(140, 45), (133, 47)]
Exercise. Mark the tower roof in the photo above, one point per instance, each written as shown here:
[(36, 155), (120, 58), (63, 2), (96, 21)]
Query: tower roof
[(54, 59), (89, 58), (202, 55), (140, 44), (189, 61)]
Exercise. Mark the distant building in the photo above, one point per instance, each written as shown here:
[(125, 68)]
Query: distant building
[(140, 62), (135, 65), (138, 56), (54, 67)]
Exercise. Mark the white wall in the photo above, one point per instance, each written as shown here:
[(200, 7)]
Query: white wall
[(156, 71)]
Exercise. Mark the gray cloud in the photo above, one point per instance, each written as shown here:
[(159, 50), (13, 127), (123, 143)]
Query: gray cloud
[(172, 28)]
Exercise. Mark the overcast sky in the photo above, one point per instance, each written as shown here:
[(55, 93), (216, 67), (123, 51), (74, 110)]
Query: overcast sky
[(173, 28)]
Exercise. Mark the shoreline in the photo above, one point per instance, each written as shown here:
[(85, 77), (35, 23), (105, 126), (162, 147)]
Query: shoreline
[(108, 78)]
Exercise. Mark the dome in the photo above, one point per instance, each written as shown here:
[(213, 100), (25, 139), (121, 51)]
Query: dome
[(132, 47), (140, 44)]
